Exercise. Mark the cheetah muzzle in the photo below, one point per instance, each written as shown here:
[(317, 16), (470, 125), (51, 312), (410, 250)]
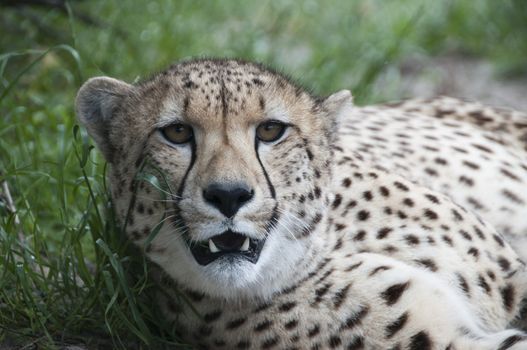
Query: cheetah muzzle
[(300, 222), (228, 246)]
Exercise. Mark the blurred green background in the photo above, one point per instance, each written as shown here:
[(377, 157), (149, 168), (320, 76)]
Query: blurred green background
[(60, 253)]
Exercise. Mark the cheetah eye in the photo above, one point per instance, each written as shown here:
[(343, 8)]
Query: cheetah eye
[(270, 131), (178, 133)]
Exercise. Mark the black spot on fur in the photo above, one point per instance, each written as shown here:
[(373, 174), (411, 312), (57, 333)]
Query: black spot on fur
[(420, 341), (334, 341), (408, 202), (440, 161), (261, 308), (499, 240), (383, 232), (411, 239), (195, 296), (491, 275), (432, 198), (339, 227), (313, 331), (320, 292), (513, 197), (510, 175), (190, 85), (463, 284), (471, 165), (269, 343), (363, 215), (507, 295), (257, 81), (379, 269), (291, 325), (236, 323), (355, 319), (401, 186), (431, 172), (474, 252), (287, 306), (482, 148), (262, 326), (356, 344), (504, 263), (338, 245), (428, 263), (212, 316), (340, 296), (466, 180), (392, 294), (510, 341), (337, 201), (430, 214), (353, 267), (396, 325), (465, 235), (479, 233), (309, 154), (360, 235), (351, 204), (483, 284), (401, 214)]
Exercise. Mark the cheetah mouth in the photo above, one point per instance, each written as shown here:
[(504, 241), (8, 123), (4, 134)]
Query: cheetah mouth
[(229, 244)]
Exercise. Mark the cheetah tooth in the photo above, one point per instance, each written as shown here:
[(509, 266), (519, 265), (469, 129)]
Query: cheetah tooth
[(245, 245), (212, 247)]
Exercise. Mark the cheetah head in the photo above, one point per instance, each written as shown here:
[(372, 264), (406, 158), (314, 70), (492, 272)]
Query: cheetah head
[(219, 170)]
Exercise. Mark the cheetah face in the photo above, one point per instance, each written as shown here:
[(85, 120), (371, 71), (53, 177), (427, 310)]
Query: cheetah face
[(240, 206), (241, 157)]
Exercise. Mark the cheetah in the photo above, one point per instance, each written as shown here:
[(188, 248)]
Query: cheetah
[(291, 221)]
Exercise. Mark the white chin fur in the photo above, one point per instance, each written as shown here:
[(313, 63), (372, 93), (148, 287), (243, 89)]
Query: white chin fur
[(236, 280)]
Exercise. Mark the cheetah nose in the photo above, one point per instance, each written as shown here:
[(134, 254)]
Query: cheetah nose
[(228, 198)]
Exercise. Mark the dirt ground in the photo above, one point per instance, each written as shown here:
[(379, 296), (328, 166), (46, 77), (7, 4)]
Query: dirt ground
[(462, 77)]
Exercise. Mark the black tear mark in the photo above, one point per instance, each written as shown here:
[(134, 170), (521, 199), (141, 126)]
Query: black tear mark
[(269, 183), (192, 161)]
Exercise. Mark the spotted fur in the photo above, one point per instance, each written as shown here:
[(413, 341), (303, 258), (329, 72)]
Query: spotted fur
[(384, 227)]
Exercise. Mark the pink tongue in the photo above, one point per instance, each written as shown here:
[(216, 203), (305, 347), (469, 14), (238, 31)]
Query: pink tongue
[(229, 241)]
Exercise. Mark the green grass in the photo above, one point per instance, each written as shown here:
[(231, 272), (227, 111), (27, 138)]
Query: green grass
[(66, 274)]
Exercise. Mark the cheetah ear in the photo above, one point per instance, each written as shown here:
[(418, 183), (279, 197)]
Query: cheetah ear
[(96, 103), (338, 106)]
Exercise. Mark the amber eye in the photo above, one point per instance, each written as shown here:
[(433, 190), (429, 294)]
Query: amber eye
[(270, 131), (178, 133)]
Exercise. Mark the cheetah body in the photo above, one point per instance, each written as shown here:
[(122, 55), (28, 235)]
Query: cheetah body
[(473, 153), (370, 241)]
